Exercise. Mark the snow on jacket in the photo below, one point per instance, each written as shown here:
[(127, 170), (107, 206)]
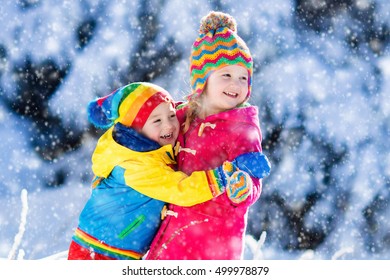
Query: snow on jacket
[(214, 229), (132, 182)]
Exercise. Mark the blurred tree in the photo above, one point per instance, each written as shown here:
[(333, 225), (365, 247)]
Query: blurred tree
[(307, 223)]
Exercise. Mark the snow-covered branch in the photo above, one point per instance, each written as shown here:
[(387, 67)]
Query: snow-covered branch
[(22, 226)]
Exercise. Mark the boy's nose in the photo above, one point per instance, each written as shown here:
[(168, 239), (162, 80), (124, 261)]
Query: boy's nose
[(169, 125)]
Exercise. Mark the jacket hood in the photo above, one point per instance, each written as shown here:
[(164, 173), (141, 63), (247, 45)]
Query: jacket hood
[(128, 144), (130, 138)]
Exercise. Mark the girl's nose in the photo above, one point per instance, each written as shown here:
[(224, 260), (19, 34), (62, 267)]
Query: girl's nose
[(235, 83)]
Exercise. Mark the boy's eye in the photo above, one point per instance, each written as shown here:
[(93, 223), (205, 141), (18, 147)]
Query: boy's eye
[(157, 120)]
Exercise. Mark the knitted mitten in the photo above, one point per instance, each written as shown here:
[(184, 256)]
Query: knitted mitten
[(234, 177), (239, 187)]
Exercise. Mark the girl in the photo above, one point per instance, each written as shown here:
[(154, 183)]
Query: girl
[(218, 126)]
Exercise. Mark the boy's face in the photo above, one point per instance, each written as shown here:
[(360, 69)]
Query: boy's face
[(226, 88), (162, 125)]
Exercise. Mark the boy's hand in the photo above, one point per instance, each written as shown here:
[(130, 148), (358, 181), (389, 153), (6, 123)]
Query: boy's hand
[(239, 187)]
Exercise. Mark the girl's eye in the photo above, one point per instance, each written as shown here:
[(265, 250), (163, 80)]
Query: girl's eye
[(226, 75), (244, 78)]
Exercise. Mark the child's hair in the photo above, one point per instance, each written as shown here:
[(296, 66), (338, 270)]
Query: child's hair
[(193, 109), (130, 105), (217, 46)]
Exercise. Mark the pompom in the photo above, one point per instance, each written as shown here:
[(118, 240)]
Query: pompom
[(215, 20), (97, 117)]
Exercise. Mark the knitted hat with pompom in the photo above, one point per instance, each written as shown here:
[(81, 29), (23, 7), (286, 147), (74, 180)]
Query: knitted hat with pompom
[(130, 105), (217, 46)]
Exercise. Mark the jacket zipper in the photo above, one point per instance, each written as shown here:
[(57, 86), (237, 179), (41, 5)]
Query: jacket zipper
[(135, 224)]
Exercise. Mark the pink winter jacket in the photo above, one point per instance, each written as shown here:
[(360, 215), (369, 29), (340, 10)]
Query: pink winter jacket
[(213, 230)]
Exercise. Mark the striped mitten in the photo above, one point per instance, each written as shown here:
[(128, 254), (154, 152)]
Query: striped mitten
[(239, 187)]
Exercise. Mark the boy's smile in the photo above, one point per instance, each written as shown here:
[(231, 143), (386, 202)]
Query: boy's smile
[(167, 136)]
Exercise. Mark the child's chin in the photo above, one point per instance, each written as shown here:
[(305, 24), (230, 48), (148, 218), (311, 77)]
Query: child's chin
[(164, 143)]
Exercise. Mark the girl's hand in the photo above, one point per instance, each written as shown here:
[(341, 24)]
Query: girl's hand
[(256, 164)]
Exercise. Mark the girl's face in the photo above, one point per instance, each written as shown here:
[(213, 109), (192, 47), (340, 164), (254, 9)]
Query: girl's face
[(226, 88), (162, 125)]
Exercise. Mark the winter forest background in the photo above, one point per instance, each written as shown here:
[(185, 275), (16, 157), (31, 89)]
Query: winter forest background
[(321, 82)]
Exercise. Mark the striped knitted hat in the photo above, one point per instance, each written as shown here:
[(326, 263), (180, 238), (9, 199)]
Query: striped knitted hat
[(130, 105), (217, 46)]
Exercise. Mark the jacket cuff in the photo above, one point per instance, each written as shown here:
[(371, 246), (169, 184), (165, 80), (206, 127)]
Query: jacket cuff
[(216, 181)]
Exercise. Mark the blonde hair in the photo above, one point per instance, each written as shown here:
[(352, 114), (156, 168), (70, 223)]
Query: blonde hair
[(193, 110)]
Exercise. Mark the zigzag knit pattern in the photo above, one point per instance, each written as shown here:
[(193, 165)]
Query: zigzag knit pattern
[(213, 51), (239, 187)]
